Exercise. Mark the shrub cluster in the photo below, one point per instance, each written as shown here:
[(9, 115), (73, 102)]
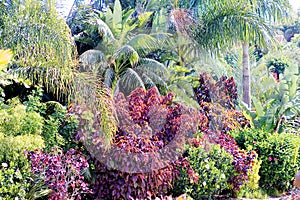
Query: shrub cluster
[(214, 169), (15, 168), (217, 101), (278, 153), (143, 159), (61, 172)]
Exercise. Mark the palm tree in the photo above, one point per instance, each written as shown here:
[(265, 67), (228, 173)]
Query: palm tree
[(123, 49), (224, 23)]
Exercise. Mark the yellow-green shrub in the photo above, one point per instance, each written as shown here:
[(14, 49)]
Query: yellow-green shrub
[(15, 168), (16, 120)]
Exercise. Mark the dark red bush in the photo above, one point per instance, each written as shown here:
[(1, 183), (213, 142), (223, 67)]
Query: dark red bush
[(242, 160), (146, 153)]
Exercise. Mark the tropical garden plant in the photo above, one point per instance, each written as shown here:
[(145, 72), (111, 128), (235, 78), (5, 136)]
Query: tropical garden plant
[(124, 130), (249, 20), (124, 42)]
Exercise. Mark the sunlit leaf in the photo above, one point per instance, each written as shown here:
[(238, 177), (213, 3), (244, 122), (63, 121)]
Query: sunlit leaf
[(5, 57)]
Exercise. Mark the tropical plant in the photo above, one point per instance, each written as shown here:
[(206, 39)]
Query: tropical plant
[(277, 66), (123, 48), (41, 43), (248, 19), (251, 188), (275, 103), (214, 168), (278, 153), (148, 125), (20, 130)]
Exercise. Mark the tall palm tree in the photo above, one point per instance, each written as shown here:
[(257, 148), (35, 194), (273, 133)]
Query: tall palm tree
[(224, 23)]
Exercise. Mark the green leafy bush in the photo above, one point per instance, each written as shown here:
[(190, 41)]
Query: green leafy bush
[(21, 130), (214, 168), (278, 153), (54, 119), (15, 169), (15, 120)]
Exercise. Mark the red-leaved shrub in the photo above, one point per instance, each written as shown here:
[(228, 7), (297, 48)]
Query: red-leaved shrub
[(146, 153)]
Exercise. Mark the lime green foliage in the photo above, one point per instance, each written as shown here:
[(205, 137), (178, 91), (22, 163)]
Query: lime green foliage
[(278, 153), (20, 130), (41, 42), (15, 120), (15, 169), (214, 168), (5, 56), (29, 126)]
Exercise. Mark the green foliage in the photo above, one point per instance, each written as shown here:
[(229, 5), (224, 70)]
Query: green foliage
[(54, 117), (41, 42), (278, 153), (121, 48), (274, 102), (278, 65), (220, 17), (51, 114), (16, 120), (15, 169), (214, 168), (67, 131)]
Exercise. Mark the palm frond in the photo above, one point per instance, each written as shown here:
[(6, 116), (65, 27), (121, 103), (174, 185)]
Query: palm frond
[(143, 43), (154, 66), (158, 80), (224, 24), (109, 77), (129, 81), (117, 17), (182, 97), (143, 18), (185, 86), (126, 53), (272, 10), (93, 61), (105, 31), (147, 81)]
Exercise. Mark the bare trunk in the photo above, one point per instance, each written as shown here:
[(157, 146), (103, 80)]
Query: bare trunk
[(246, 75)]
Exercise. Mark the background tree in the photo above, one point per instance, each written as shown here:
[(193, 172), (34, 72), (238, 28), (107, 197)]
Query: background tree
[(224, 23)]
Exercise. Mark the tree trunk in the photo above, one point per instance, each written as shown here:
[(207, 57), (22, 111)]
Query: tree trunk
[(246, 75)]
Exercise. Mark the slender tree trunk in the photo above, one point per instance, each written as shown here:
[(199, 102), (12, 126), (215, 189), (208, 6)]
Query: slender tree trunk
[(246, 75)]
